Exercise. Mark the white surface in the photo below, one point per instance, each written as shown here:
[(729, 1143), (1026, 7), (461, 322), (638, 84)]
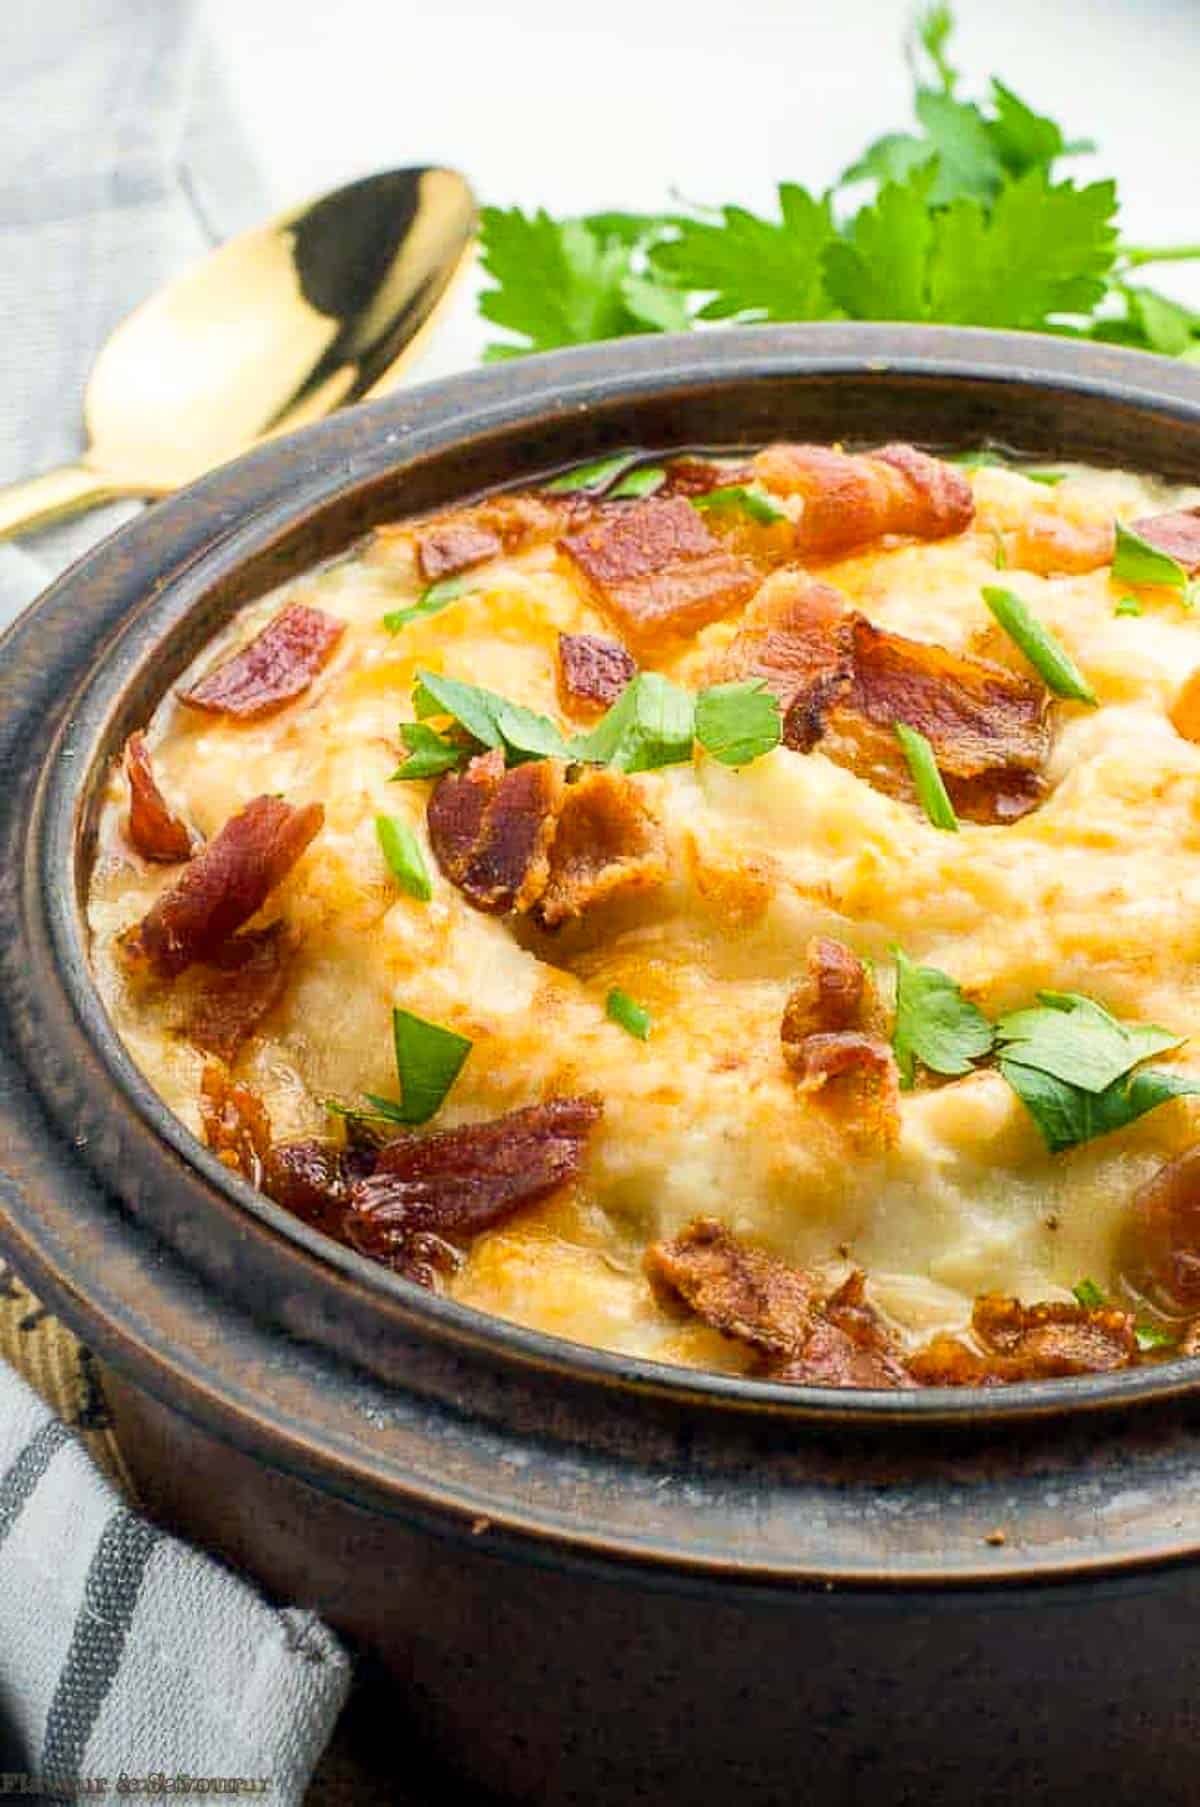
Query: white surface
[(575, 107)]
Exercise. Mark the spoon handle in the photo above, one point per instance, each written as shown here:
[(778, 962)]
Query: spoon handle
[(39, 500)]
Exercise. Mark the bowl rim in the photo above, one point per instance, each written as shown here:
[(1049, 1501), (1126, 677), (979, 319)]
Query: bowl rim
[(492, 402)]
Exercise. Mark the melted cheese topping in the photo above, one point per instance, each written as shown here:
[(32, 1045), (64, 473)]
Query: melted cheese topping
[(1097, 890)]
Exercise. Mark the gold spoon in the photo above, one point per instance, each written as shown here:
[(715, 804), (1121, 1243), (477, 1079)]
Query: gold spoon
[(274, 329)]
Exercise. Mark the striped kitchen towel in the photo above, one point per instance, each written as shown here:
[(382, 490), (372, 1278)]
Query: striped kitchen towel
[(128, 1658)]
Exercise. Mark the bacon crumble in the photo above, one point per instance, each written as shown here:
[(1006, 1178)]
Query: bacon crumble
[(155, 831), (1164, 1234), (273, 669), (657, 570), (243, 981), (457, 1182), (592, 671), (836, 993), (851, 499), (1045, 1341), (856, 1078), (524, 841), (223, 886), (844, 684), (466, 537)]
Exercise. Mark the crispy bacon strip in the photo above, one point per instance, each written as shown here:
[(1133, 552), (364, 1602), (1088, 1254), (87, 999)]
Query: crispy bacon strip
[(1177, 534), (857, 1080), (592, 671), (276, 667), (156, 832), (491, 830), (247, 978), (1028, 1342), (836, 993), (741, 1291), (223, 887), (450, 543), (1164, 1236), (691, 476), (235, 1123), (456, 1182), (850, 1346), (606, 844), (792, 634), (657, 570), (776, 1310), (525, 841), (844, 684), (851, 499)]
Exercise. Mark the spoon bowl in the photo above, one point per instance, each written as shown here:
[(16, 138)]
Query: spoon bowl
[(274, 329)]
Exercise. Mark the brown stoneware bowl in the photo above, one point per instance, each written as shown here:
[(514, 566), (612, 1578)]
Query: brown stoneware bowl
[(580, 1578)]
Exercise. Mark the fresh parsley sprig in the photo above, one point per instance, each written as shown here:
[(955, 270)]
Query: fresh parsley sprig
[(964, 219)]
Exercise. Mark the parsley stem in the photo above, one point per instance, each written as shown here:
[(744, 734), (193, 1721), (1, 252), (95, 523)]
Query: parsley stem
[(1134, 256)]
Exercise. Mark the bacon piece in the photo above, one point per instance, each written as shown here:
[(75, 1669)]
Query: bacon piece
[(223, 886), (1164, 1237), (791, 635), (249, 977), (851, 499), (154, 829), (1053, 545), (777, 1310), (276, 667), (836, 993), (741, 1291), (858, 1081), (525, 841), (1177, 534), (450, 543), (313, 1179), (454, 546), (1028, 1342), (592, 671), (988, 728), (460, 1181), (606, 844), (491, 829), (656, 569), (850, 1346), (691, 476), (235, 1123)]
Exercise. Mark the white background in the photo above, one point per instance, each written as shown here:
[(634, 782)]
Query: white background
[(577, 104)]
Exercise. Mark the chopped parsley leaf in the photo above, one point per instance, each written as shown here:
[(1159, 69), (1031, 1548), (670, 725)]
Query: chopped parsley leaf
[(621, 1008), (738, 722), (935, 1024)]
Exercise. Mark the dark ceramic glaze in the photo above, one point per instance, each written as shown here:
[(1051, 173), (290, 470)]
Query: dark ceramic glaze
[(597, 1578)]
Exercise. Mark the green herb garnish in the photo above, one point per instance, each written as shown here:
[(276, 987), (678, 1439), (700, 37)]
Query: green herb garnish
[(927, 780), (429, 753), (621, 1008), (1153, 1336), (1088, 1294), (594, 477), (432, 602), (935, 1024), (429, 1059), (490, 719), (751, 502), (1054, 665), (1128, 605), (1136, 561), (642, 482), (738, 722), (1067, 1114), (402, 851), (1074, 1038), (965, 220), (651, 724)]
